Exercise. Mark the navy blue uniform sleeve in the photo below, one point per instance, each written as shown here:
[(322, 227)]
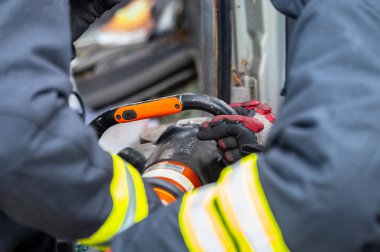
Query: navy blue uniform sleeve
[(54, 177), (321, 172), (46, 152), (160, 231)]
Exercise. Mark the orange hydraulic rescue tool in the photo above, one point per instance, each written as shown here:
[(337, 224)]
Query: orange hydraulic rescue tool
[(160, 107), (169, 170)]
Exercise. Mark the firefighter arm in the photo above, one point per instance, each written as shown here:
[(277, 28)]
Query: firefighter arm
[(230, 215), (316, 187), (54, 177), (320, 172), (320, 168)]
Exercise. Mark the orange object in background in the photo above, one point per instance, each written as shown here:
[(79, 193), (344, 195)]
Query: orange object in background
[(134, 16)]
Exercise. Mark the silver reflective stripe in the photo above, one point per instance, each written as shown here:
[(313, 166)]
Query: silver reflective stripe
[(201, 222), (235, 193), (241, 201), (170, 174), (131, 211)]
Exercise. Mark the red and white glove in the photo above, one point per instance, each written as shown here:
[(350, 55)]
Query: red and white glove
[(260, 111), (239, 135)]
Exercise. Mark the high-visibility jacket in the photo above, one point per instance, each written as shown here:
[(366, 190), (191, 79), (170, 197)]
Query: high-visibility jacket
[(316, 188)]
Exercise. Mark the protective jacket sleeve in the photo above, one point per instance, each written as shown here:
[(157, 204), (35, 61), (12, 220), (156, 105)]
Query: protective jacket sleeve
[(54, 177), (316, 188)]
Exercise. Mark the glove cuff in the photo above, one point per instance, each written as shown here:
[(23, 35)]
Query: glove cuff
[(251, 148)]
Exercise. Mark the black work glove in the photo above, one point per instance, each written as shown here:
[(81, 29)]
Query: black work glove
[(181, 163), (235, 135), (179, 143), (84, 13)]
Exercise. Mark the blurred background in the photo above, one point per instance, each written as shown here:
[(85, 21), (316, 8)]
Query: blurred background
[(144, 49)]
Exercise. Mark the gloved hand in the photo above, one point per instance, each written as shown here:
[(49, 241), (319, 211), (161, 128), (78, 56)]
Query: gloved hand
[(84, 13), (179, 162), (239, 135)]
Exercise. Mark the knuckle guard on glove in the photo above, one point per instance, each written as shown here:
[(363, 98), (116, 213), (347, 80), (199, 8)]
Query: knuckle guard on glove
[(245, 108), (248, 122)]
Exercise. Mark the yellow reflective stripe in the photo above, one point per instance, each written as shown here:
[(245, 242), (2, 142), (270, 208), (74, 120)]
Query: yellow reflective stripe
[(242, 216), (120, 198), (141, 199), (202, 225), (227, 212), (186, 226), (231, 221), (242, 213), (262, 206), (219, 226)]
